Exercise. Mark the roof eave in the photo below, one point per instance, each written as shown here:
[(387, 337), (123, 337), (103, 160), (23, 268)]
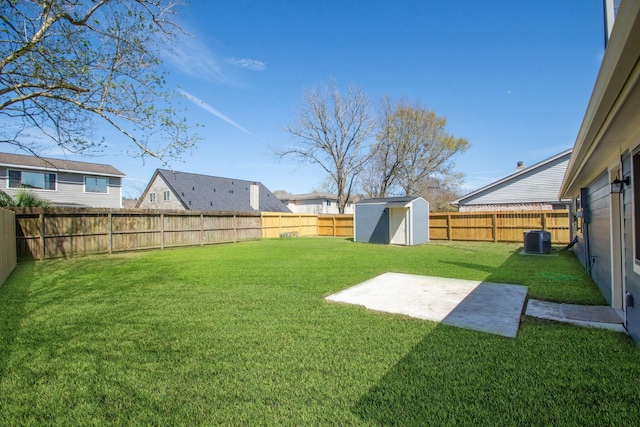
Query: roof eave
[(616, 81)]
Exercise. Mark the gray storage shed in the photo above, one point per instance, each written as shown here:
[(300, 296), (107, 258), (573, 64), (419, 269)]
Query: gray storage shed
[(393, 220)]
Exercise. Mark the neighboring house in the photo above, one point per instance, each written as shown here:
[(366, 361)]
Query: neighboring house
[(190, 191), (315, 203), (531, 188), (603, 175), (63, 183)]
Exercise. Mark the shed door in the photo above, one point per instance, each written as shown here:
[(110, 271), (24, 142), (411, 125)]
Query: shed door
[(398, 229)]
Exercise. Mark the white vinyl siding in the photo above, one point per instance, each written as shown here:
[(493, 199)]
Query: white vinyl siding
[(70, 191), (541, 185)]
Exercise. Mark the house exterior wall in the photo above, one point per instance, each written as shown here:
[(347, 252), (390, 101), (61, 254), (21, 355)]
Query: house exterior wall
[(632, 279), (594, 245), (158, 187), (70, 189), (539, 185), (594, 240), (317, 206)]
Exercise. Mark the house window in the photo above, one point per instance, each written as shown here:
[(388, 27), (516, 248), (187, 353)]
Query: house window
[(152, 197), (166, 196), (35, 180), (328, 202), (95, 185)]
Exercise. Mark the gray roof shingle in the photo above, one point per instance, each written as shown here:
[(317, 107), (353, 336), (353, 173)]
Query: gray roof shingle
[(204, 192)]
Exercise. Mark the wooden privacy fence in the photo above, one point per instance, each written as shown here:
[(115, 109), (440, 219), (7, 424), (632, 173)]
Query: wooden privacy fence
[(275, 223), (50, 233), (306, 225), (7, 243), (335, 225), (506, 226)]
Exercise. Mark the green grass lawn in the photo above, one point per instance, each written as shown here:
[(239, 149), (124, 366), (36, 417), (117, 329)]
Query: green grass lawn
[(239, 334)]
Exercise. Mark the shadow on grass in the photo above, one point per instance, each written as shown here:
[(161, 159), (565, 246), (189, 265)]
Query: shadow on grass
[(476, 267), (14, 295), (550, 374)]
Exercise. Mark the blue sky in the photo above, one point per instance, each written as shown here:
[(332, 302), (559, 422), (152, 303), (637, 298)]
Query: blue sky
[(514, 77)]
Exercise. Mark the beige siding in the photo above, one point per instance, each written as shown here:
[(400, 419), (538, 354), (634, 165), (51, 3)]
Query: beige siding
[(70, 190), (159, 186)]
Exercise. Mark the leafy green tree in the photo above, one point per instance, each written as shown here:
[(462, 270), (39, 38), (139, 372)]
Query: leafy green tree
[(412, 146), (66, 65), (332, 130)]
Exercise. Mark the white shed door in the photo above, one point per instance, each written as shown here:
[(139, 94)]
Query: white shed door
[(398, 226)]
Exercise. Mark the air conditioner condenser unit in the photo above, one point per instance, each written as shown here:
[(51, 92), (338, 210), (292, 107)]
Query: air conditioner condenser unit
[(537, 241)]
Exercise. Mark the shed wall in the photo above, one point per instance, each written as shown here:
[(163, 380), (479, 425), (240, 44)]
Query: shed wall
[(420, 222), (371, 223)]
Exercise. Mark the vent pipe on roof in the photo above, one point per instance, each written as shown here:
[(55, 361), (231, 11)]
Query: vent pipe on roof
[(254, 196), (519, 166)]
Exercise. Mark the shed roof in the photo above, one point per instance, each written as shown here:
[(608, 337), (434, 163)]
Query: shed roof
[(204, 192), (389, 201), (50, 164)]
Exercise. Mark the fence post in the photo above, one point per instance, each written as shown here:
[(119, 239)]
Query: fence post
[(110, 218), (449, 227), (334, 226), (235, 228), (544, 220), (201, 230), (494, 223), (161, 230), (42, 240)]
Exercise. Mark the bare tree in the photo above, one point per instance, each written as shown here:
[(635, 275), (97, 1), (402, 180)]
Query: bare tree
[(440, 191), (67, 64), (332, 130), (412, 145)]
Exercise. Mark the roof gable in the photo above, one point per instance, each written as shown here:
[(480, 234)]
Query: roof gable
[(537, 183), (204, 192)]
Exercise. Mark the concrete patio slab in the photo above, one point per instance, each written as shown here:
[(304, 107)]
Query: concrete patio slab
[(594, 316), (480, 306)]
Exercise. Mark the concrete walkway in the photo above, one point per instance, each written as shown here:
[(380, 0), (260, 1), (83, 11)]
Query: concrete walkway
[(469, 304), (594, 316)]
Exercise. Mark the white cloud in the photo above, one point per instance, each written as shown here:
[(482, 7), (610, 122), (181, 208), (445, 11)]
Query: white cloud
[(200, 103), (192, 57), (249, 64)]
